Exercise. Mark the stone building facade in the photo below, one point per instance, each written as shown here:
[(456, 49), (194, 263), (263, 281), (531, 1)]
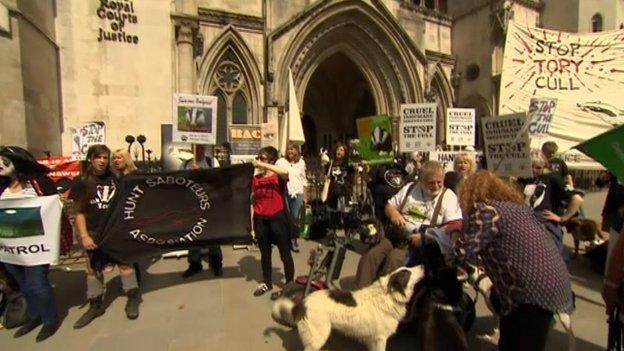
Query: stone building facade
[(30, 90), (120, 61)]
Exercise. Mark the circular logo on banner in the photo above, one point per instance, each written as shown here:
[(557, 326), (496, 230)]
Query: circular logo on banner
[(166, 210)]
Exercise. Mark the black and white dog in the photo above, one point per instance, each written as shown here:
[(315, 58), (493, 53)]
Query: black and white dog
[(483, 286), (423, 298), (369, 315)]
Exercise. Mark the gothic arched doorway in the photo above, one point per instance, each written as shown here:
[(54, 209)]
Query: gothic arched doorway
[(336, 95)]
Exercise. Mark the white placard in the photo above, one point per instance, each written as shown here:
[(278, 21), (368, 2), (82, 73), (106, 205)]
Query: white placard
[(417, 129), (194, 118), (507, 147), (460, 126), (30, 230), (445, 158), (87, 134), (541, 112), (582, 71)]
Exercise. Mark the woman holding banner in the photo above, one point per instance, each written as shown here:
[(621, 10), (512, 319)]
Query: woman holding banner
[(21, 176), (269, 217), (93, 192)]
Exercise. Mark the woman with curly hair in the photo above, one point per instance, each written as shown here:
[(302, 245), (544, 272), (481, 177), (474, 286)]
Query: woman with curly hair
[(521, 258)]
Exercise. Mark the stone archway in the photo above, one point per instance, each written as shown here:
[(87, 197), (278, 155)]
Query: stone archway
[(363, 39), (336, 95)]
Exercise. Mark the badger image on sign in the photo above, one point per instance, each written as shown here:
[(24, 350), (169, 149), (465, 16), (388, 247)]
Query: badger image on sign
[(194, 119)]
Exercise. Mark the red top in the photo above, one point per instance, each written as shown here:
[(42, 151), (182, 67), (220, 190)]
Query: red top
[(268, 194)]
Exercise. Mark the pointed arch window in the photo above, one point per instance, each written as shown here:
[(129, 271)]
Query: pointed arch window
[(239, 109), (230, 84), (222, 110)]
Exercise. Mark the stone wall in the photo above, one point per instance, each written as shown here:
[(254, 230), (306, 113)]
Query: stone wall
[(29, 83), (116, 71)]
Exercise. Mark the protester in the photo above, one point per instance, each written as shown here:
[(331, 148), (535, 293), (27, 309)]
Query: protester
[(464, 166), (412, 166), (412, 213), (613, 210), (547, 194), (528, 274), (340, 178), (122, 166), (201, 160), (93, 192), (122, 163), (297, 187), (556, 164), (270, 226), (21, 176), (386, 180)]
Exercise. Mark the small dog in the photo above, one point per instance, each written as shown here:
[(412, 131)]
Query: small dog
[(369, 315), (483, 285), (583, 229)]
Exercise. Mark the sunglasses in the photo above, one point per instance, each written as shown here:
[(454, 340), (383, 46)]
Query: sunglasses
[(262, 158)]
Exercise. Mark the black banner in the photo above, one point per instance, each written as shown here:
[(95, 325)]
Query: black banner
[(158, 212)]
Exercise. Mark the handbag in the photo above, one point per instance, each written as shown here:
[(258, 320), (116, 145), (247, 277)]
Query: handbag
[(325, 192)]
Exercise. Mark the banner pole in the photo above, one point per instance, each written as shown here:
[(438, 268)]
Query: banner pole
[(194, 152)]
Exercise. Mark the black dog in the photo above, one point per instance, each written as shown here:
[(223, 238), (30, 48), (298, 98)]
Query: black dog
[(439, 312)]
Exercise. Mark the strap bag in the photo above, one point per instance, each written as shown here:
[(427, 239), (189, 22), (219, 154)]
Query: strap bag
[(399, 236)]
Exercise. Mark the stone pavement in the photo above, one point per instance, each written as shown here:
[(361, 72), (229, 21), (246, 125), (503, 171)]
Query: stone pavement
[(208, 313)]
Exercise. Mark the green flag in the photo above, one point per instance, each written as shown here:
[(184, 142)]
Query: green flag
[(608, 149)]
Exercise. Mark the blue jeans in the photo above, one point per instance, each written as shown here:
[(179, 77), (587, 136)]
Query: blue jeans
[(34, 284), (294, 205)]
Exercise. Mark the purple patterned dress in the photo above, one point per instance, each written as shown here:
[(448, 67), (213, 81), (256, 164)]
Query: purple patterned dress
[(519, 256)]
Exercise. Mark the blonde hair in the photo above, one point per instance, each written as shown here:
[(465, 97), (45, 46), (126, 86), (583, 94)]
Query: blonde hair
[(466, 156), (538, 158), (484, 186), (130, 166)]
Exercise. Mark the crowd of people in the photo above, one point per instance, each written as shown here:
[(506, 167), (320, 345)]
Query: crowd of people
[(512, 228)]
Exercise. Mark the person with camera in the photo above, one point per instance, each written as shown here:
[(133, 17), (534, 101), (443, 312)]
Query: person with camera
[(414, 208)]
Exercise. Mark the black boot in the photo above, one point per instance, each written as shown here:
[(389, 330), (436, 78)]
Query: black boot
[(27, 327), (96, 309), (47, 331), (192, 269), (132, 305)]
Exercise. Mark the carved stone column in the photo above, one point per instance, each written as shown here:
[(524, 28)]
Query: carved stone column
[(186, 24), (186, 67)]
